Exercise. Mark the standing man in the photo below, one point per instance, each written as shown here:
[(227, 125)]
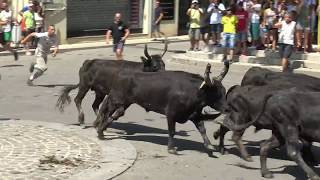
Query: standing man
[(216, 9), (46, 41), (195, 13), (229, 22), (158, 15), (30, 26), (286, 39), (120, 32), (5, 29)]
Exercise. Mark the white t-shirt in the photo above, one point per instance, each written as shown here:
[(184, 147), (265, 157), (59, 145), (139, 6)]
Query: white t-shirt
[(255, 18), (216, 14), (6, 15), (45, 43), (38, 19), (286, 35)]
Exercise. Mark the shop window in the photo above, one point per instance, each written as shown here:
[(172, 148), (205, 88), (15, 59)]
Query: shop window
[(168, 9)]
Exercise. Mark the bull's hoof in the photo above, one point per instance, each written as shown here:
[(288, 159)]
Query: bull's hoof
[(172, 151), (248, 158), (315, 177), (209, 147), (267, 174), (101, 136), (83, 126), (222, 151)]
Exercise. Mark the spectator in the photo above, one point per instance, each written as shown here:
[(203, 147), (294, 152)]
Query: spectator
[(158, 15), (312, 4), (46, 41), (30, 26), (26, 8), (195, 13), (303, 25), (39, 19), (215, 9), (229, 22), (255, 9), (269, 20), (286, 39), (119, 32), (205, 30), (242, 29), (5, 28)]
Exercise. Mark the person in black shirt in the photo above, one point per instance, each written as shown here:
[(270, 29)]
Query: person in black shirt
[(158, 15), (120, 32)]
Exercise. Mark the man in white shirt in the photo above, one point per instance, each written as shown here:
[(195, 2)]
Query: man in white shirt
[(46, 41), (216, 9), (5, 29)]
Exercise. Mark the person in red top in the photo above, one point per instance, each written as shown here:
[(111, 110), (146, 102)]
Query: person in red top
[(242, 29)]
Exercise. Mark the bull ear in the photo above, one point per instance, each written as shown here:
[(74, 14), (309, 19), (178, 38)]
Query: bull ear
[(224, 71), (207, 75), (146, 52), (165, 46)]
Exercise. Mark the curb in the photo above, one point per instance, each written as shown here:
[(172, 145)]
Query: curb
[(94, 45), (117, 155)]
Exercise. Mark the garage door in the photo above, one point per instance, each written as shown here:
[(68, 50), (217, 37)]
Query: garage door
[(87, 17)]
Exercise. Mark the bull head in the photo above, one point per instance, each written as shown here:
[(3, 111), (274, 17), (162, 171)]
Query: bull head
[(207, 79)]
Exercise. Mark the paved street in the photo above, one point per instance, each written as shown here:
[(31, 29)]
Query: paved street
[(147, 132)]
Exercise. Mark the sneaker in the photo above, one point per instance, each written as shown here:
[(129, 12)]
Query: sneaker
[(29, 82), (28, 53), (16, 56), (31, 68)]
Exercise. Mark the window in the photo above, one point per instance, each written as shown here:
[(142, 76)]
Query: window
[(168, 9)]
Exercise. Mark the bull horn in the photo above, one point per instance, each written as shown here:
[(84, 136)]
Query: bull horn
[(165, 46), (207, 74), (146, 52), (224, 71)]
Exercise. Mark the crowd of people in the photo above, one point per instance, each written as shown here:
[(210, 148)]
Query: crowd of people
[(286, 25)]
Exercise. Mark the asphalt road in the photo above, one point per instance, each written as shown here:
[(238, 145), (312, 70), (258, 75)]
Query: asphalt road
[(146, 131)]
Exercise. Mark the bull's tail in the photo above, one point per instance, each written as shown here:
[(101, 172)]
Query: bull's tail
[(64, 97)]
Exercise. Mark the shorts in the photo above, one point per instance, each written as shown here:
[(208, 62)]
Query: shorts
[(2, 38), (156, 27), (205, 30), (228, 40), (41, 63), (194, 33), (7, 36), (301, 26), (118, 45), (215, 28), (285, 50), (242, 36), (255, 28)]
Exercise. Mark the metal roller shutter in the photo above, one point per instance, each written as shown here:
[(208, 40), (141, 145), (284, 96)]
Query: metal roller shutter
[(91, 17)]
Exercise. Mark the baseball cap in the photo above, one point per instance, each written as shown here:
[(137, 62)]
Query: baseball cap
[(195, 1)]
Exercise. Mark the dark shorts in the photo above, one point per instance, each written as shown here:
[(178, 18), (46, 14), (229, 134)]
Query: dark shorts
[(28, 31), (215, 28), (285, 50), (205, 30), (119, 45), (2, 42)]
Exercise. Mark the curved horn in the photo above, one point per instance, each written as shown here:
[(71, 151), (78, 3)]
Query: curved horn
[(165, 46), (224, 71), (207, 75), (146, 52)]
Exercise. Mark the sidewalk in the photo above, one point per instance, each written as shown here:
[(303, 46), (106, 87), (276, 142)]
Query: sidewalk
[(93, 45), (40, 150)]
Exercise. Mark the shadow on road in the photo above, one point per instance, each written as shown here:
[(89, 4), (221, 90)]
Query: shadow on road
[(52, 85)]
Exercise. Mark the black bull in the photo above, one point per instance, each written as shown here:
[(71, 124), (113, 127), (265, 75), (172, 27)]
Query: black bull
[(262, 77), (98, 75), (179, 95), (291, 114)]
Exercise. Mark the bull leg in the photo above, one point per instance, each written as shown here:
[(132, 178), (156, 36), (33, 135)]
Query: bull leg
[(97, 102), (220, 134), (78, 100), (105, 124), (206, 142), (236, 137), (172, 130), (307, 154), (294, 151), (273, 142)]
